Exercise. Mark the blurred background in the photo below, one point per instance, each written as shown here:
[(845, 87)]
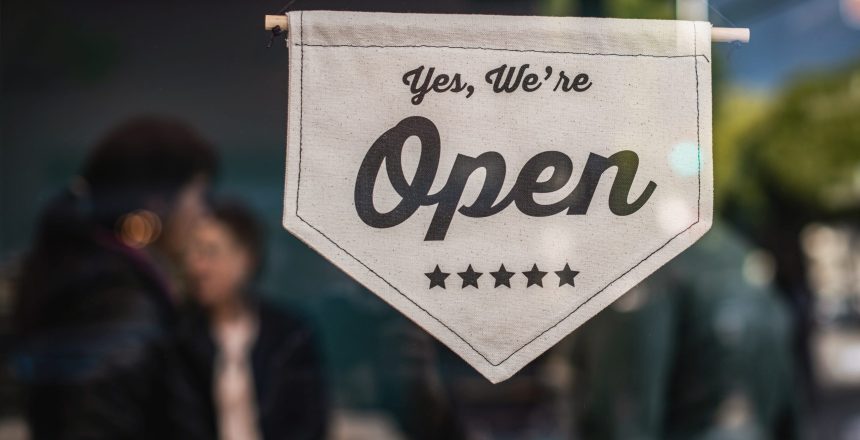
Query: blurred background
[(753, 333)]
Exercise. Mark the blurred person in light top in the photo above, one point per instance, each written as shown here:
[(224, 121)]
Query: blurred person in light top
[(257, 365)]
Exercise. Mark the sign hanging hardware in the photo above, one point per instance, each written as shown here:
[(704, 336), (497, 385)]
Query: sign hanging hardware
[(279, 25)]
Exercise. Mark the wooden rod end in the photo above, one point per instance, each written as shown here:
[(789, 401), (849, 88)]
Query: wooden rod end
[(277, 20), (730, 35)]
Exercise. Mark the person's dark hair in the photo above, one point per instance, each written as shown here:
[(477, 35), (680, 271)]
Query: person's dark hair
[(145, 157), (142, 159), (245, 228)]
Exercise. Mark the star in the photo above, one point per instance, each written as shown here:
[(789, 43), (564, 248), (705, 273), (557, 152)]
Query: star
[(437, 277), (470, 277), (565, 276), (535, 276), (503, 277)]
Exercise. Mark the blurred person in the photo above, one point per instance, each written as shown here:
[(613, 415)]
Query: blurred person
[(700, 350), (257, 365), (95, 302), (411, 386), (388, 368)]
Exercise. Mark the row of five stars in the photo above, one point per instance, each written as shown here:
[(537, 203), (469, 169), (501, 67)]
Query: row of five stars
[(502, 277)]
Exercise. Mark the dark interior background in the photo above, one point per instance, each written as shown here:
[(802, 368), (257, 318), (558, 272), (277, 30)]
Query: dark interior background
[(71, 70)]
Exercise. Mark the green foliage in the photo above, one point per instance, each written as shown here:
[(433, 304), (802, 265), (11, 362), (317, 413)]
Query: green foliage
[(612, 8), (736, 113), (656, 9), (558, 8), (807, 148)]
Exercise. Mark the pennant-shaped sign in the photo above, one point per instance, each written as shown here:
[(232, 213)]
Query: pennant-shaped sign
[(497, 179)]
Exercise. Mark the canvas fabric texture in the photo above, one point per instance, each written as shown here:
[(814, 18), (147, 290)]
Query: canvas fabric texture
[(497, 179)]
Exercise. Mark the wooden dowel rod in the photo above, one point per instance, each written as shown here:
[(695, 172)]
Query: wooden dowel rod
[(730, 35), (277, 20), (718, 34)]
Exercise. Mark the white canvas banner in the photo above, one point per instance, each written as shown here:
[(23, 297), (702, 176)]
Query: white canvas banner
[(499, 180)]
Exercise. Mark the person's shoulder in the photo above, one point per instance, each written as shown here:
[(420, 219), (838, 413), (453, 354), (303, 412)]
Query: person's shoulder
[(192, 322), (285, 329)]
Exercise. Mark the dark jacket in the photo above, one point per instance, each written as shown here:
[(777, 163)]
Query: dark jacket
[(288, 377), (96, 355), (695, 352)]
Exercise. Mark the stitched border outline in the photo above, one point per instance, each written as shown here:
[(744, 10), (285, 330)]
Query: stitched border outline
[(587, 300)]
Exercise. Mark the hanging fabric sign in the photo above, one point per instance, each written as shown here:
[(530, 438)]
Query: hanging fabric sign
[(499, 180)]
